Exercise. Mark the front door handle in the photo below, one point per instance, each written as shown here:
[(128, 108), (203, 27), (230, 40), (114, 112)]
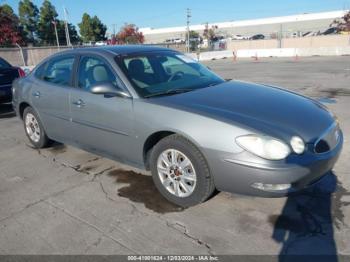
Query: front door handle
[(79, 103), (36, 94)]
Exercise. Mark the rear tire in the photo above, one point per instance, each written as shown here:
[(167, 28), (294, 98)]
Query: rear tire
[(180, 171), (34, 128)]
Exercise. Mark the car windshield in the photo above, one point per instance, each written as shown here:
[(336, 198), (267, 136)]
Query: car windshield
[(165, 73)]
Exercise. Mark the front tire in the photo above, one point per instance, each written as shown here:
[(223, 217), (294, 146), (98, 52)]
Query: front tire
[(34, 128), (180, 171)]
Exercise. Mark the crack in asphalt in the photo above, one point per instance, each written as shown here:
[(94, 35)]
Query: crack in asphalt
[(42, 200), (77, 218), (185, 232), (96, 175), (93, 160), (94, 244), (75, 168), (80, 169)]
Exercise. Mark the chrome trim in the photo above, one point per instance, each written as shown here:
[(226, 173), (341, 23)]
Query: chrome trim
[(260, 166)]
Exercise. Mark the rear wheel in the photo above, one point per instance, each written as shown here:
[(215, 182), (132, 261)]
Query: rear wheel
[(180, 172), (34, 128)]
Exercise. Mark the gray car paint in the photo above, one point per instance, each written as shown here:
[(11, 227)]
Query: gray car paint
[(211, 118)]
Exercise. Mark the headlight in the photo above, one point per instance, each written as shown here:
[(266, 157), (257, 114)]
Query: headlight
[(297, 144), (264, 146)]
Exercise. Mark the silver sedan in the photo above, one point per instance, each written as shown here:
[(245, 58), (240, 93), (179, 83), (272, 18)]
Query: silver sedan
[(157, 109)]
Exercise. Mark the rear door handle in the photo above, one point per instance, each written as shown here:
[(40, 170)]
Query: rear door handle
[(79, 103), (36, 94)]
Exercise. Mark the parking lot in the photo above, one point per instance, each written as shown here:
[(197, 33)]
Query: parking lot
[(62, 200)]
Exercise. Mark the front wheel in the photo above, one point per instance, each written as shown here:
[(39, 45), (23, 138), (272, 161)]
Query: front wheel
[(34, 129), (180, 172)]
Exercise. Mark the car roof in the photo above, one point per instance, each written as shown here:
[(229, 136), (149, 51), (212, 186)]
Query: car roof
[(119, 49)]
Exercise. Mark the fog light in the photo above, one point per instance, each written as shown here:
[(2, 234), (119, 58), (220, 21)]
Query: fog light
[(271, 187), (297, 144)]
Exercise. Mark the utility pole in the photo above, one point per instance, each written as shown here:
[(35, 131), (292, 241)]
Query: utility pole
[(114, 28), (280, 36), (66, 26), (206, 30), (55, 25), (188, 30)]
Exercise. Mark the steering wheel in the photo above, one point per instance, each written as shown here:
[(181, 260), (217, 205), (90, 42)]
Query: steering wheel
[(179, 74)]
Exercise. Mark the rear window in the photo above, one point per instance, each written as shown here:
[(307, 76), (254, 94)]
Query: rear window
[(4, 64)]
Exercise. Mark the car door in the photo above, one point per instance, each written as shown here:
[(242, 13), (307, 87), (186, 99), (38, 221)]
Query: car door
[(102, 124), (50, 96)]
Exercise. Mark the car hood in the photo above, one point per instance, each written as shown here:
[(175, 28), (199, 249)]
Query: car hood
[(260, 108)]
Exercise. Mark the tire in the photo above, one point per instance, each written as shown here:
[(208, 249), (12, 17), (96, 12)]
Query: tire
[(37, 135), (203, 186)]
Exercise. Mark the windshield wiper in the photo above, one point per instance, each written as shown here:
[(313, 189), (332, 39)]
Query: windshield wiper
[(171, 92)]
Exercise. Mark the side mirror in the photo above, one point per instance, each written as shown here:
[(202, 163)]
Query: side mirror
[(108, 90)]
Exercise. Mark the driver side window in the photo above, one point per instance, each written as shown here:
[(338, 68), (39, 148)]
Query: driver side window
[(93, 71)]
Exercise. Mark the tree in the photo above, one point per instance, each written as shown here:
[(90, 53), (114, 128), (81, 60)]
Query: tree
[(85, 28), (194, 40), (10, 32), (61, 31), (99, 29), (6, 9), (46, 31), (194, 34), (209, 33), (28, 18), (92, 29), (342, 25), (129, 34)]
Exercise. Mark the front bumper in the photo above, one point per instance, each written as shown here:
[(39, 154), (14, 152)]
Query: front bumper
[(237, 173)]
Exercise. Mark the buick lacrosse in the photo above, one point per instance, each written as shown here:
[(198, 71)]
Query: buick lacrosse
[(157, 109)]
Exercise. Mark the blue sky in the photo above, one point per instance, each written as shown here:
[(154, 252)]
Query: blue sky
[(163, 13)]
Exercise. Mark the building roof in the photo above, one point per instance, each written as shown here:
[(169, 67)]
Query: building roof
[(263, 21)]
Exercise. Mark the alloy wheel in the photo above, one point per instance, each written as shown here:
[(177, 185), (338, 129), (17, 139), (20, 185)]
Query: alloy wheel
[(176, 173)]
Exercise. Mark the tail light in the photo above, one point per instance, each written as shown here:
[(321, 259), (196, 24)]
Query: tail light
[(21, 72)]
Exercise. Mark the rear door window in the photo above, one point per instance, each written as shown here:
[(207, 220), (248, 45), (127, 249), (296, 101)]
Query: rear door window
[(39, 72), (59, 71)]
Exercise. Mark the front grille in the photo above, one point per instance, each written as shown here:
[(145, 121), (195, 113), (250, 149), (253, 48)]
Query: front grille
[(328, 141)]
